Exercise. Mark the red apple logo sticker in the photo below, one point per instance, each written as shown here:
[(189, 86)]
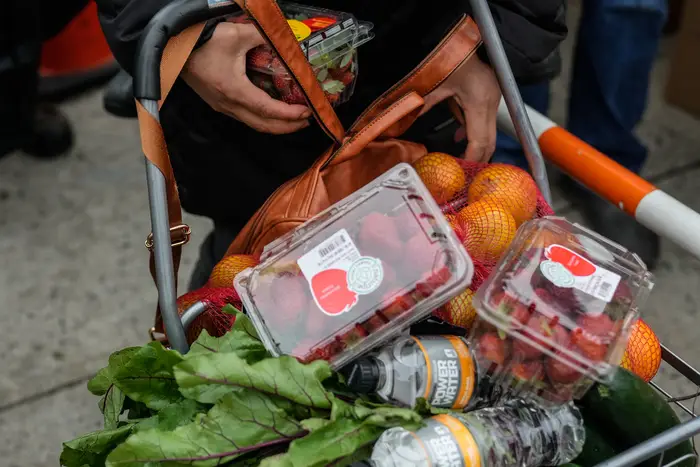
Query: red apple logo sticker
[(331, 292), (574, 263)]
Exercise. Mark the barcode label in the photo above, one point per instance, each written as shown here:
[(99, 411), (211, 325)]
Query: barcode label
[(336, 252), (325, 251), (605, 288)]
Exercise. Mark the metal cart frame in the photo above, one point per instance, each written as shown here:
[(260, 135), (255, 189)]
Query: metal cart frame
[(652, 207)]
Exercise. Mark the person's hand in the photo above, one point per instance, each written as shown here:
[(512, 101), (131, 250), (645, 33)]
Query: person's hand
[(475, 89), (217, 72)]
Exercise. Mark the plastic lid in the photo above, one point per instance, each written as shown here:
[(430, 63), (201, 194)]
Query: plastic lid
[(324, 35), (363, 375), (357, 274), (566, 298)]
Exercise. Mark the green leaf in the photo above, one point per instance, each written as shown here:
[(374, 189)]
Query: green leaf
[(92, 449), (148, 376), (337, 440), (333, 86), (313, 424), (206, 378), (111, 406), (172, 416), (137, 410), (240, 423), (101, 382), (235, 341)]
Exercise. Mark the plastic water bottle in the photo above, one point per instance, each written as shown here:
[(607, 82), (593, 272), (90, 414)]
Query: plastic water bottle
[(519, 433), (440, 369)]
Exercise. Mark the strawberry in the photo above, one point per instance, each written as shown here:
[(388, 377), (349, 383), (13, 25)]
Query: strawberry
[(433, 282), (421, 256), (513, 307), (333, 98), (346, 77), (259, 58), (289, 299), (333, 86), (493, 348), (378, 237), (282, 83), (278, 68), (594, 334), (354, 336), (294, 95), (527, 371), (326, 352), (397, 303), (406, 223), (559, 371), (375, 323)]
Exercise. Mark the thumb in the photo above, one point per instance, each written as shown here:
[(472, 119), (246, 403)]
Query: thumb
[(248, 36)]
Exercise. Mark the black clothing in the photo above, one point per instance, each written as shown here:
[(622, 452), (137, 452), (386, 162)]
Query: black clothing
[(226, 170), (24, 26)]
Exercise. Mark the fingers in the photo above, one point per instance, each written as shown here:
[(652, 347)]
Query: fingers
[(481, 132), (255, 99), (239, 37), (267, 125), (435, 97)]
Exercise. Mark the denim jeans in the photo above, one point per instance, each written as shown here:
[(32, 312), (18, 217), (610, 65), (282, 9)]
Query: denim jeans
[(615, 50)]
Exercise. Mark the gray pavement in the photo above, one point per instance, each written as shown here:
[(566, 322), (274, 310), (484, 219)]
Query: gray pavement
[(74, 284)]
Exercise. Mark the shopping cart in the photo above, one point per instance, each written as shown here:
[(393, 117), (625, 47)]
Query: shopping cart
[(650, 206)]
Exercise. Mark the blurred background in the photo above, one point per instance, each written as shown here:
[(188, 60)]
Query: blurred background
[(74, 281)]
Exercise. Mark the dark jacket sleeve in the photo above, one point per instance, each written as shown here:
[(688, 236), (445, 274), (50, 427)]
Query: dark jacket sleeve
[(531, 31), (123, 21)]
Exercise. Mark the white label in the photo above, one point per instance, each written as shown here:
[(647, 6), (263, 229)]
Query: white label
[(567, 269), (336, 252), (602, 284), (338, 274)]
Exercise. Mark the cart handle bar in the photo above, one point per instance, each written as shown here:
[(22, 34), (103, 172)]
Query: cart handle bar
[(650, 206), (167, 23)]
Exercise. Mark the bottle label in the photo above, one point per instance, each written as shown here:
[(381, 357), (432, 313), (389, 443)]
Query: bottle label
[(451, 374), (448, 443)]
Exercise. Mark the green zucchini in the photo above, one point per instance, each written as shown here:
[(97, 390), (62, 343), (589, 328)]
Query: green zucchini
[(595, 450), (628, 412)]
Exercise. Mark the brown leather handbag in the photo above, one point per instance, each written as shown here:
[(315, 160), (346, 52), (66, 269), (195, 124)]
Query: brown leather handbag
[(356, 157)]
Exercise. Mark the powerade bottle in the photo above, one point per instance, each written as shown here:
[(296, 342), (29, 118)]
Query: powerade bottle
[(518, 433), (440, 369)]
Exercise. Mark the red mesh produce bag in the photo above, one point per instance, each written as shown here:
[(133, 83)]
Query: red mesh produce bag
[(215, 321), (485, 204)]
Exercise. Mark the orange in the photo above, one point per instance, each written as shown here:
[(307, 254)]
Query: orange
[(511, 185), (490, 228), (442, 174), (460, 310), (643, 353), (227, 269)]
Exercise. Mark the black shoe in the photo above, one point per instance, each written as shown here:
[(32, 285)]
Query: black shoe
[(610, 222), (52, 135), (119, 96)]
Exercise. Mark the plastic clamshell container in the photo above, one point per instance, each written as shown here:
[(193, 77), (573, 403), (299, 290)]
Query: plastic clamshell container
[(328, 38), (556, 312), (356, 275)]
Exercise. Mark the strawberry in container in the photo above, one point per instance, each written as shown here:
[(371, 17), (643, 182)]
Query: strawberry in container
[(356, 275), (556, 313), (329, 40)]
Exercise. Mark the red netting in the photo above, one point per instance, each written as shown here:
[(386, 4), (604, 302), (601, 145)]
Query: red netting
[(485, 204), (215, 321)]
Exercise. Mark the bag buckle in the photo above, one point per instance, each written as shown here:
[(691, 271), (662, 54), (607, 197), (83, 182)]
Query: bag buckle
[(185, 232), (154, 338)]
